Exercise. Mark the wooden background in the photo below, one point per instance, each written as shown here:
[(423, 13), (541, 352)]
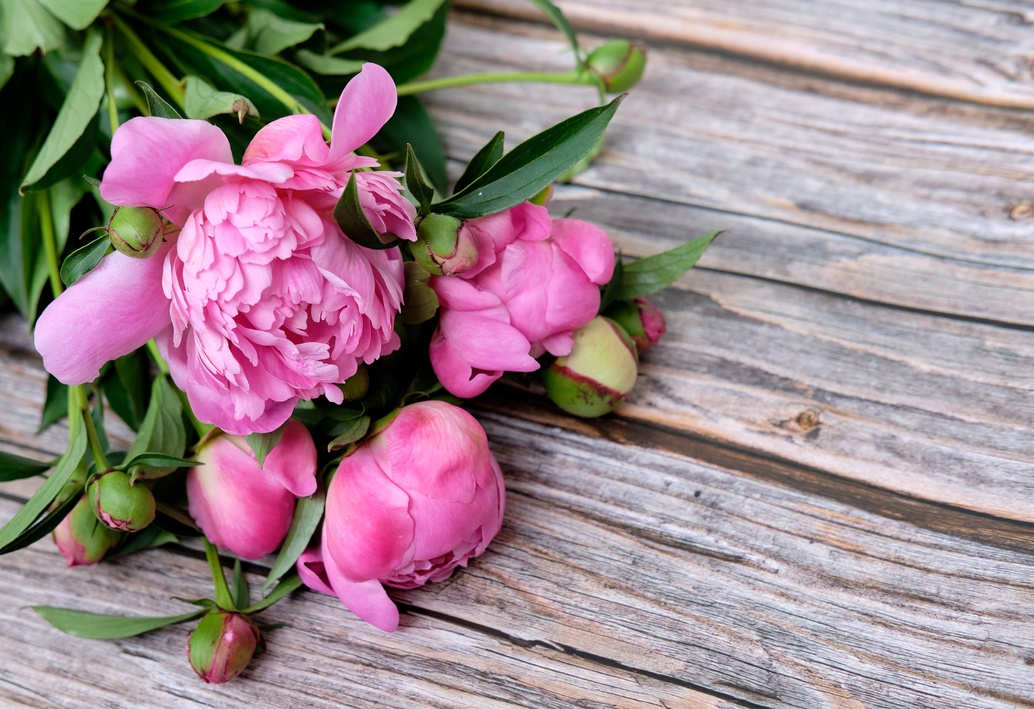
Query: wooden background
[(820, 493)]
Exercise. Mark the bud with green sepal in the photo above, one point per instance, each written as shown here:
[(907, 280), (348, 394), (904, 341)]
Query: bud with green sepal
[(119, 503), (599, 372), (222, 645), (82, 538), (136, 231), (445, 246), (641, 319), (618, 63)]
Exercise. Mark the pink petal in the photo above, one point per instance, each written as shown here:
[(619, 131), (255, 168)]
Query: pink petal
[(487, 343), (296, 139), (367, 599), (313, 571), (147, 152), (107, 313), (197, 170), (293, 460), (588, 245), (366, 104)]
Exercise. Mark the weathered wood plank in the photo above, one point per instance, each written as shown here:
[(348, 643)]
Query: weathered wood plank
[(979, 52)]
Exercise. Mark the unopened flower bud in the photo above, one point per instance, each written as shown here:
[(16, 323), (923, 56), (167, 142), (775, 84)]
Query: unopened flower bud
[(598, 374), (641, 319), (82, 538), (136, 231), (619, 63), (445, 246), (119, 503), (355, 387), (221, 646)]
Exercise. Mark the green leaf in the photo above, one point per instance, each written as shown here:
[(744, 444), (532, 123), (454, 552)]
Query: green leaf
[(55, 405), (84, 259), (482, 161), (271, 34), (291, 583), (610, 290), (173, 12), (126, 386), (149, 538), (527, 169), (158, 107), (25, 26), (239, 586), (263, 443), (76, 114), (97, 414), (47, 493), (96, 626), (393, 31), (557, 18), (422, 192), (353, 221), (15, 467), (308, 511), (201, 100), (162, 430), (77, 14), (326, 65), (651, 274), (6, 69), (419, 301), (353, 431), (412, 125), (47, 524), (158, 460)]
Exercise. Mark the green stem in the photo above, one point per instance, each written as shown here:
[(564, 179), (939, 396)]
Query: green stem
[(152, 347), (91, 434), (46, 223), (574, 78), (109, 80), (158, 70), (223, 599)]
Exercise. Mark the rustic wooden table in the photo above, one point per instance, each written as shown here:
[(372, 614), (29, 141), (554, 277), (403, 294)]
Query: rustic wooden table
[(821, 491)]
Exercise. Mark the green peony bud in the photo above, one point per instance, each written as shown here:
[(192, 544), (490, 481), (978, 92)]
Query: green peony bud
[(221, 646), (119, 503), (619, 63), (598, 374), (641, 319), (82, 538), (136, 231), (444, 245)]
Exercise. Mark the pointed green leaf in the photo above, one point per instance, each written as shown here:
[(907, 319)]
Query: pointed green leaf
[(610, 290), (26, 27), (651, 274), (394, 30), (326, 65), (527, 169), (239, 586), (350, 432), (84, 259), (557, 18), (201, 100), (271, 34), (422, 192), (96, 626), (76, 114), (47, 524), (353, 221), (291, 583), (15, 467), (263, 443), (126, 387), (173, 12), (55, 406), (158, 107), (77, 14), (158, 460), (149, 538), (482, 161), (162, 430), (308, 511)]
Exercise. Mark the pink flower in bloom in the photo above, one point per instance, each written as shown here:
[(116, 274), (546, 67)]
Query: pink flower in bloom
[(534, 284), (408, 506), (242, 507), (260, 301)]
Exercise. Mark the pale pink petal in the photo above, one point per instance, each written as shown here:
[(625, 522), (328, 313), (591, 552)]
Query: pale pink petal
[(486, 342), (197, 170), (367, 599), (588, 245), (293, 460), (107, 313), (313, 571), (295, 139), (366, 104)]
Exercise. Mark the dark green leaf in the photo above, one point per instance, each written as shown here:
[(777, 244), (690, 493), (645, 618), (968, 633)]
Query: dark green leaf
[(263, 443), (55, 406), (327, 65), (159, 107), (557, 18), (411, 124), (84, 259), (149, 538), (97, 414), (353, 221), (162, 430), (158, 460), (107, 627), (76, 114), (14, 467), (239, 586), (173, 12), (283, 588), (649, 275), (47, 524), (394, 30), (355, 430), (482, 161), (422, 192), (201, 100), (527, 169), (610, 291), (47, 493), (308, 512), (126, 387), (419, 301), (77, 14)]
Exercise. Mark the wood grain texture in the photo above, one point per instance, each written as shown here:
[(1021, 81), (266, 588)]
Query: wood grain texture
[(980, 52)]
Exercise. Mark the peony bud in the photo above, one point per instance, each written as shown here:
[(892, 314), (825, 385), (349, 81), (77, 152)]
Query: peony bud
[(82, 538), (136, 231), (119, 503), (355, 387), (221, 646), (598, 374), (445, 246), (619, 63), (641, 319)]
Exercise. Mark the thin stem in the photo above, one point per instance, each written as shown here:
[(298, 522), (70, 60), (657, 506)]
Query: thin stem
[(109, 80), (99, 458), (223, 599), (574, 78), (46, 223), (151, 62)]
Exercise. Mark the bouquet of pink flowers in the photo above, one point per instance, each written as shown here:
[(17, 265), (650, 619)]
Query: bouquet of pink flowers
[(291, 333)]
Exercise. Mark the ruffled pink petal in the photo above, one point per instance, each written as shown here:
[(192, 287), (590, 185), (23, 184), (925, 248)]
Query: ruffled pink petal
[(295, 139), (366, 104), (146, 154), (198, 170), (486, 342), (588, 245), (293, 460), (107, 313)]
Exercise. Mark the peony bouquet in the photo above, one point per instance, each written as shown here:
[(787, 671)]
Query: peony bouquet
[(287, 304)]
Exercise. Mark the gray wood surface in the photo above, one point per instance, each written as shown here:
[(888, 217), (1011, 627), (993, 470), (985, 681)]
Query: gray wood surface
[(821, 493)]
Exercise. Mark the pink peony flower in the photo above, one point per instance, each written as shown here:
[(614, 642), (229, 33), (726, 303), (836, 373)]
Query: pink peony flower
[(260, 301), (242, 507), (534, 284), (412, 503)]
